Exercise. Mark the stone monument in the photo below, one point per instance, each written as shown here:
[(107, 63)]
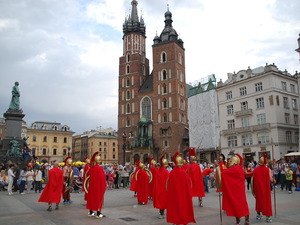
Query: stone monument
[(12, 143)]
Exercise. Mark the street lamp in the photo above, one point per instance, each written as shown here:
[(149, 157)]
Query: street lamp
[(124, 136)]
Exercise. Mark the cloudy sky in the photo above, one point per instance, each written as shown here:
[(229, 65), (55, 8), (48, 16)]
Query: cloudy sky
[(65, 53)]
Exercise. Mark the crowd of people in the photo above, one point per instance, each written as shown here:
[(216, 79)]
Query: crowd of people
[(169, 186)]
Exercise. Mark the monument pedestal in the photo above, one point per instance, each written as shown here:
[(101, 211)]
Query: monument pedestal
[(13, 120)]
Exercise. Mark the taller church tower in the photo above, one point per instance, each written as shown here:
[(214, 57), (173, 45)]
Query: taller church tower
[(133, 70), (152, 114)]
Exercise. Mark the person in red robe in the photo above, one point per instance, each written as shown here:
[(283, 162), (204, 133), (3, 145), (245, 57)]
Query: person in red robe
[(85, 174), (133, 183), (142, 179), (180, 208), (153, 171), (234, 200), (261, 189), (96, 187), (53, 189), (194, 171), (160, 199)]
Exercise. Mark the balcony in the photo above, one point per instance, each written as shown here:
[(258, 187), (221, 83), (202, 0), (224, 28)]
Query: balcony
[(248, 129), (246, 112)]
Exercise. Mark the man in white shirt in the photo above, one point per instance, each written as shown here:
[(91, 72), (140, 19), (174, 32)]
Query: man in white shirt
[(11, 176)]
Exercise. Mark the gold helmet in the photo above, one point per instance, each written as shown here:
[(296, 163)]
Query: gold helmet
[(95, 159), (178, 159), (152, 162), (263, 159), (68, 160), (235, 160), (87, 160), (163, 161), (142, 165), (192, 154)]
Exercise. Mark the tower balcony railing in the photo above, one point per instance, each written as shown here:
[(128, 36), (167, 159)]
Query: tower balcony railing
[(246, 112), (265, 126)]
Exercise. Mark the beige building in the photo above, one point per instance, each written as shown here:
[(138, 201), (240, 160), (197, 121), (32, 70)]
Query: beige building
[(50, 141), (103, 141), (258, 111)]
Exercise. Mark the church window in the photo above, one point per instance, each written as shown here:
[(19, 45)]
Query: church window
[(165, 118), (128, 58), (143, 48), (182, 105), (127, 82), (164, 90), (128, 122), (143, 70), (164, 75), (146, 108), (128, 43), (179, 58), (163, 57), (128, 108), (127, 95), (136, 42), (127, 69), (159, 118), (165, 103)]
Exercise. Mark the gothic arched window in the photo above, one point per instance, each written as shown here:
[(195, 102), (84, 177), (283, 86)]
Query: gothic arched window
[(146, 108), (164, 75)]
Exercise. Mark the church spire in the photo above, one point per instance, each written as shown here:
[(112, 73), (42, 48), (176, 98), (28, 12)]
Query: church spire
[(133, 24), (134, 12)]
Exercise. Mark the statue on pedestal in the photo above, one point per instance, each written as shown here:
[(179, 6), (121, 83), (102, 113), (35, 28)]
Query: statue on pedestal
[(14, 149), (15, 99)]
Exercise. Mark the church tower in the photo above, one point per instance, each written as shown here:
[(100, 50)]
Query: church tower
[(170, 120), (133, 70), (152, 114)]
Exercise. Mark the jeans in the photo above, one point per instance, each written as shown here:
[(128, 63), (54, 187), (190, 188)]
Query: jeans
[(205, 180), (38, 186), (22, 186)]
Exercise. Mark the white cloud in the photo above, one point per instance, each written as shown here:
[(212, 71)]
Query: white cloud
[(65, 54)]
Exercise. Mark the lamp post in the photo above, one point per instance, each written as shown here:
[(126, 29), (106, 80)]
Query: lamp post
[(124, 136)]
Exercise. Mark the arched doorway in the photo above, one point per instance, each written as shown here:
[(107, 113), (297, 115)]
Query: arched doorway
[(145, 159), (136, 158)]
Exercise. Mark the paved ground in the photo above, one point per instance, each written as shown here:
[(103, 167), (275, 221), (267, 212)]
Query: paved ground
[(120, 208)]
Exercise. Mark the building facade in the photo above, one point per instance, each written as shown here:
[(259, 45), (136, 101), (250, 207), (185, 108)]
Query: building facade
[(104, 141), (258, 112), (152, 109), (204, 128), (49, 141)]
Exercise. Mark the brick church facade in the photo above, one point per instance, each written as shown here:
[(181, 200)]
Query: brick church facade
[(152, 109)]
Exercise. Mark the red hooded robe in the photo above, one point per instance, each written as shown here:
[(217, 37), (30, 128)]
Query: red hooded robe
[(52, 192), (262, 190), (142, 186), (97, 187), (160, 199), (153, 170), (234, 200), (195, 174), (133, 183), (179, 193)]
